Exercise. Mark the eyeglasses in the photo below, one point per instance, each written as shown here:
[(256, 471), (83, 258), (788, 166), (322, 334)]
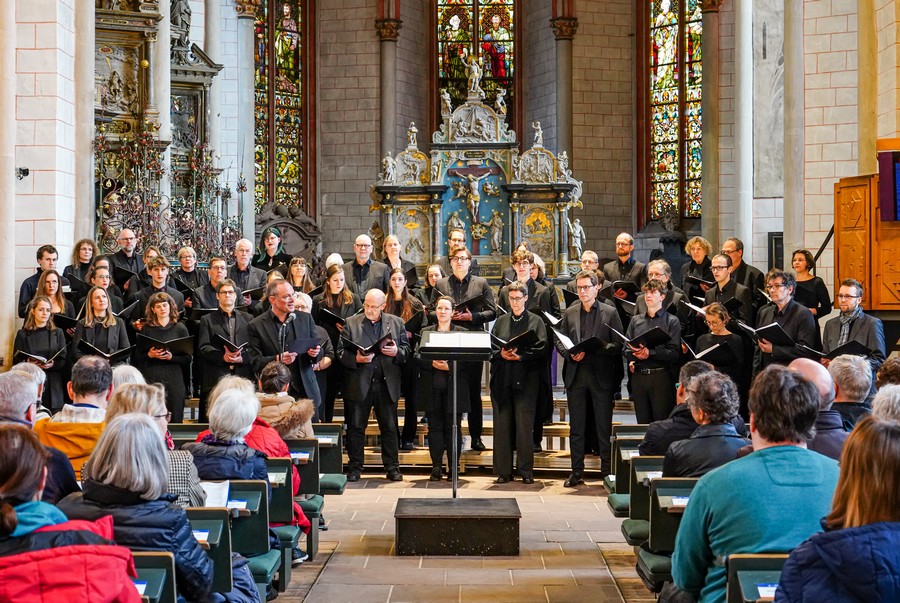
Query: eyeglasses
[(584, 287), (459, 259), (624, 244), (713, 323), (364, 245), (521, 265), (516, 299), (717, 268), (303, 307), (775, 286), (167, 416), (726, 252), (457, 240), (842, 296), (127, 238), (227, 292), (655, 275)]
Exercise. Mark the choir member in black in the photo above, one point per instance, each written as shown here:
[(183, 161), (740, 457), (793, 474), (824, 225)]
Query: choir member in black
[(373, 381), (464, 286), (142, 279), (402, 303), (727, 288), (852, 324), (298, 276), (245, 276), (364, 273), (625, 267), (159, 365), (717, 320), (46, 258), (263, 304), (205, 297), (80, 267), (811, 290), (103, 261), (509, 273), (393, 260), (187, 271), (796, 320), (539, 275), (743, 273), (303, 303), (99, 276), (271, 251), (654, 369), (660, 270), (544, 411), (158, 268), (218, 359), (127, 257), (435, 385), (515, 379), (698, 266), (538, 295), (589, 261), (432, 275), (336, 299), (590, 374), (456, 239), (100, 327), (40, 337), (49, 286)]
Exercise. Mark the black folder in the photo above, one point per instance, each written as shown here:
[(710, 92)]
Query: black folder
[(199, 313), (773, 333), (256, 293), (302, 346), (127, 312), (719, 354), (330, 317), (522, 342), (317, 291), (414, 324), (64, 322), (183, 346), (629, 287), (366, 350), (648, 339), (114, 357), (121, 276), (851, 348), (21, 356), (570, 297), (590, 344), (227, 344), (696, 280)]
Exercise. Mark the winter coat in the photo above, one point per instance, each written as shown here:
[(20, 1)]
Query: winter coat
[(217, 460), (292, 419)]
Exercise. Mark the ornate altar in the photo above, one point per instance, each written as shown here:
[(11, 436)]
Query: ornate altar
[(475, 180)]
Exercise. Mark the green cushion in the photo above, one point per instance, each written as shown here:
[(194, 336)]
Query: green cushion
[(657, 566), (619, 504), (289, 534), (636, 531), (312, 505), (609, 482), (263, 567), (332, 483)]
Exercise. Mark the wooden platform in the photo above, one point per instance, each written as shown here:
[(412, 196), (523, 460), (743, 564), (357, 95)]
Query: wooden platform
[(457, 526), (551, 460)]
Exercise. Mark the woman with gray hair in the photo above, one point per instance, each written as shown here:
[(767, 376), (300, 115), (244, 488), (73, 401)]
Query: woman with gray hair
[(125, 373), (127, 478), (39, 377), (886, 403)]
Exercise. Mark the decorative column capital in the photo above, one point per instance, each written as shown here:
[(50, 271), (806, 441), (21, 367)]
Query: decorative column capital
[(564, 28), (388, 29), (247, 8), (711, 6)]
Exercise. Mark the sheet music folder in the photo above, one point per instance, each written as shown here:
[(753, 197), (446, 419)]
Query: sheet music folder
[(456, 345)]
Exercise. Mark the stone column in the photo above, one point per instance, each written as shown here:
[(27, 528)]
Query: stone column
[(564, 29), (85, 51), (743, 125), (7, 179), (514, 207), (437, 232), (562, 210), (794, 167), (160, 65), (867, 82), (709, 221), (388, 31), (387, 219), (246, 12), (212, 45)]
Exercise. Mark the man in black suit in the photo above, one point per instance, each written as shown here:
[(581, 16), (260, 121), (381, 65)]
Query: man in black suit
[(46, 258), (462, 286), (590, 375), (127, 257), (625, 267), (218, 360), (272, 333), (206, 295), (589, 261), (456, 239), (245, 276), (855, 325), (363, 273), (158, 269), (373, 380), (745, 274), (796, 320)]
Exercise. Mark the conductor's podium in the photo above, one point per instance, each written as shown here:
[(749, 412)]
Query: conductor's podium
[(457, 526)]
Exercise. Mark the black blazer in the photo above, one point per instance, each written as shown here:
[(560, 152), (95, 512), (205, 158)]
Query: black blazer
[(265, 345), (444, 263), (379, 278), (636, 274), (213, 354), (359, 376), (798, 323), (867, 330), (205, 297), (752, 278), (409, 270), (731, 290), (606, 358), (481, 315), (523, 374), (144, 294), (538, 298), (425, 382), (118, 338)]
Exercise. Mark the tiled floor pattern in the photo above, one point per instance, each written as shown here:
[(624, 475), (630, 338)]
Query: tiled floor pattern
[(571, 549)]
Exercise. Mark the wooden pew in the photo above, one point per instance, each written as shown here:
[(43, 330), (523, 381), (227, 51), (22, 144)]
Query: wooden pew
[(753, 578), (623, 450), (250, 531), (218, 545), (654, 566), (624, 431), (636, 528), (281, 510), (331, 458), (309, 498), (155, 576)]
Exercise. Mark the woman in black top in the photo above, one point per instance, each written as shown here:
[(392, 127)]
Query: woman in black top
[(400, 302), (393, 260), (697, 267), (100, 327), (82, 253), (432, 276), (49, 286), (298, 276), (811, 290), (271, 251), (103, 261), (101, 277), (160, 365), (40, 337), (336, 300), (717, 318)]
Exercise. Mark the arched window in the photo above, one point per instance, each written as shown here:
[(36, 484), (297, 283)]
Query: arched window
[(281, 79), (670, 145), (480, 30)]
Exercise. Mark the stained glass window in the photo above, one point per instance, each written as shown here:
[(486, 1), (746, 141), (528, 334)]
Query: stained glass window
[(675, 28), (479, 30), (279, 104)]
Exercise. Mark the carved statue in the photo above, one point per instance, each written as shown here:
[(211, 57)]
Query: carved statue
[(411, 135), (446, 105), (376, 233), (474, 72), (387, 169), (473, 198), (435, 172), (500, 103), (576, 238), (538, 134), (491, 188), (517, 167), (496, 224), (562, 161), (455, 223), (459, 189)]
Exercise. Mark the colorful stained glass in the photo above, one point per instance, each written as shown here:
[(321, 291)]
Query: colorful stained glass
[(479, 30), (674, 87), (279, 103)]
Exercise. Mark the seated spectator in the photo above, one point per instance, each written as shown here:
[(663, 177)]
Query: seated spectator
[(76, 428), (18, 399), (886, 404), (889, 373), (44, 557), (769, 501), (830, 434), (40, 379), (857, 558), (680, 424), (292, 419), (150, 400), (127, 478), (125, 373), (714, 401), (852, 380)]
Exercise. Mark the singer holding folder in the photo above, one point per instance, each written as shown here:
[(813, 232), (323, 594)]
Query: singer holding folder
[(164, 365), (654, 367), (40, 337), (796, 320), (99, 328)]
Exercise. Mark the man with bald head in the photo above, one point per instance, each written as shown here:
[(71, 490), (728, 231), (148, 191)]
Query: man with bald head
[(127, 256), (363, 273), (373, 380), (830, 434), (245, 276)]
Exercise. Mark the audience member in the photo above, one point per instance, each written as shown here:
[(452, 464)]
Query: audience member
[(40, 379), (889, 373), (886, 404), (292, 419), (852, 380), (830, 434), (125, 373)]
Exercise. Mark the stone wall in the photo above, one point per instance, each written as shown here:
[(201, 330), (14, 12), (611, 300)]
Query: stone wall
[(537, 66), (413, 91)]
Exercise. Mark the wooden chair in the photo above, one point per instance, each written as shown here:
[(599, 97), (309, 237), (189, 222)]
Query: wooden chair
[(156, 573), (750, 576), (624, 431), (218, 523)]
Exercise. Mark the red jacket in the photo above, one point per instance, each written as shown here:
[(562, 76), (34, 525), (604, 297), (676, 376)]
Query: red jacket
[(71, 561)]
